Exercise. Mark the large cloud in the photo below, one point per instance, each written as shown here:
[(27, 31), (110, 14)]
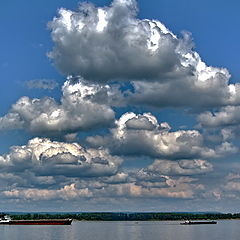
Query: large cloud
[(82, 107), (143, 135), (47, 158), (111, 43)]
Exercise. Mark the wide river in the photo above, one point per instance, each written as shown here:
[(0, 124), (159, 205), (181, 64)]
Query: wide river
[(224, 230)]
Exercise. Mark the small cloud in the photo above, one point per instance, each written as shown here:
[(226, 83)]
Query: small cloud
[(48, 84), (71, 137), (183, 127)]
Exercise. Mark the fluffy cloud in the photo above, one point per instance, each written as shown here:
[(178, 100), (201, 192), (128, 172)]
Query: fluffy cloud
[(225, 117), (50, 170), (181, 167), (232, 183), (68, 192), (224, 121), (182, 188), (229, 189), (173, 177), (88, 173), (111, 43), (47, 158), (116, 179), (80, 109), (143, 135), (212, 92)]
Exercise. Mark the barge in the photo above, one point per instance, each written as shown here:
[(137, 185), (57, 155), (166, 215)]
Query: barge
[(7, 220), (198, 222)]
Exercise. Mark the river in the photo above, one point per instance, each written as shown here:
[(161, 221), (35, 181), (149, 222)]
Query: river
[(156, 230)]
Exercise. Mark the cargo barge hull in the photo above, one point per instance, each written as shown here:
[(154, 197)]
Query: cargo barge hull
[(38, 222), (197, 223)]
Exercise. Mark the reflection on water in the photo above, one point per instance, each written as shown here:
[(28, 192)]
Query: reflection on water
[(124, 230)]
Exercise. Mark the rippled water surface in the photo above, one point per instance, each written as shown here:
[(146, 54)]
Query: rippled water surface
[(224, 230)]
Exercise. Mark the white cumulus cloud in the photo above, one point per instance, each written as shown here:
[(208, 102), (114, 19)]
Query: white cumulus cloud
[(110, 43), (143, 135), (79, 109), (50, 158)]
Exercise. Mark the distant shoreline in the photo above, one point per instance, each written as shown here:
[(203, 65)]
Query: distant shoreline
[(125, 216)]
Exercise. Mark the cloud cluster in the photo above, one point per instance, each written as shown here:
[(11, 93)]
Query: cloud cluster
[(143, 135), (175, 188), (68, 192), (81, 108), (182, 191), (112, 44), (115, 62), (44, 157), (142, 185), (50, 170)]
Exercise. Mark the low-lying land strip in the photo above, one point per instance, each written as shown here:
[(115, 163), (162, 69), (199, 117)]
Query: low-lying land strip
[(125, 216)]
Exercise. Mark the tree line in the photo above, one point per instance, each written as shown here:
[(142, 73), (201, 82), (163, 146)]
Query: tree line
[(123, 216)]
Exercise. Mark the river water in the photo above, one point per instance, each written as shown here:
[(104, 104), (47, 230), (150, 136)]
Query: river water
[(158, 230)]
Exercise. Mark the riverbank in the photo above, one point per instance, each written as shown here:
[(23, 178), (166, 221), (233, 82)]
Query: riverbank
[(126, 216)]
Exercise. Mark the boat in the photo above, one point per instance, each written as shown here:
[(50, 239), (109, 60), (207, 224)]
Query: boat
[(198, 222), (7, 220)]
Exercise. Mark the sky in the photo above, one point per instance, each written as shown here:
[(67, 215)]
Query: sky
[(119, 105)]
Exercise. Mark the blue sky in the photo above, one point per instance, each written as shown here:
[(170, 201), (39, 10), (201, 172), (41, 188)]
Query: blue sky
[(123, 113)]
